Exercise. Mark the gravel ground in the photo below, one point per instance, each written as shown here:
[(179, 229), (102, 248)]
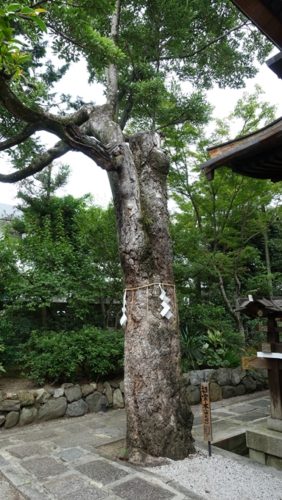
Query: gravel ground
[(223, 478)]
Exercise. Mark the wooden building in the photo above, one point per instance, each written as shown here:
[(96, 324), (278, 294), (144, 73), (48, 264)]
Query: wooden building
[(259, 154)]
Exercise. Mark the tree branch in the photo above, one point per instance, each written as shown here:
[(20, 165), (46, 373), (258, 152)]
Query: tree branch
[(224, 295), (112, 73), (25, 133), (37, 116), (37, 164), (207, 45), (66, 127)]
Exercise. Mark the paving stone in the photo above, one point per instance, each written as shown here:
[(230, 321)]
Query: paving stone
[(33, 492), (63, 486), (223, 414), (86, 441), (71, 454), (141, 489), (8, 492), (199, 421), (75, 428), (225, 425), (264, 403), (40, 435), (16, 474), (86, 493), (102, 471), (26, 450), (253, 415), (3, 461), (4, 443), (45, 467), (242, 408)]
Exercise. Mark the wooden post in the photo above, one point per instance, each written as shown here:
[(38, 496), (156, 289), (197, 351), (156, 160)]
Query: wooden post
[(206, 413), (274, 372)]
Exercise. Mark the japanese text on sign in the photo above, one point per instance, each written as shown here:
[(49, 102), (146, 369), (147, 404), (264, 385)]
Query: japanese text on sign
[(206, 411)]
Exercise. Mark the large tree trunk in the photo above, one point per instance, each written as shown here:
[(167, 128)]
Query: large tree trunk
[(159, 418)]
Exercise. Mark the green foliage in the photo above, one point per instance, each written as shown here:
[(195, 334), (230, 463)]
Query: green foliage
[(222, 231), (12, 54), (60, 267), (68, 356), (191, 350), (219, 350), (213, 349)]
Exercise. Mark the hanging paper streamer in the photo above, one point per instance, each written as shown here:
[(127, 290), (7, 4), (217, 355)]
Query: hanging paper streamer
[(123, 319), (166, 308)]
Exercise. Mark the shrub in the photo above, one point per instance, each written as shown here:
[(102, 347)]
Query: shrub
[(68, 356), (213, 350)]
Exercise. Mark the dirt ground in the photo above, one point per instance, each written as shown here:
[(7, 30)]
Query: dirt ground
[(9, 384)]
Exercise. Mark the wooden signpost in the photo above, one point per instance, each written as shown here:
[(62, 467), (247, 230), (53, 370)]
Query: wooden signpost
[(206, 413)]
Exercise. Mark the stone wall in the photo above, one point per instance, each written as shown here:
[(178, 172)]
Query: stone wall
[(224, 382), (73, 400)]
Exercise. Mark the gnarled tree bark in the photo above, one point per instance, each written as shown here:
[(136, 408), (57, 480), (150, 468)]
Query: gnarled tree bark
[(159, 418)]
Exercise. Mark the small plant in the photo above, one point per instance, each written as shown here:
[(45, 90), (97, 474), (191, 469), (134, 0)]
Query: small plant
[(218, 352), (213, 350), (191, 349)]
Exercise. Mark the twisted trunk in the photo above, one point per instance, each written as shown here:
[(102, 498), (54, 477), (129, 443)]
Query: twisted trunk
[(159, 418)]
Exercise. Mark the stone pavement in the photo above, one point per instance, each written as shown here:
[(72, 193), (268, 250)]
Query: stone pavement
[(68, 460)]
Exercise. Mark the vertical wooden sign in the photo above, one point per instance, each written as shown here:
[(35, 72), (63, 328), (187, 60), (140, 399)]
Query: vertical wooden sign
[(206, 412)]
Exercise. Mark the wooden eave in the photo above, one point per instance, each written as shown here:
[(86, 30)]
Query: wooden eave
[(257, 155), (266, 15), (267, 307)]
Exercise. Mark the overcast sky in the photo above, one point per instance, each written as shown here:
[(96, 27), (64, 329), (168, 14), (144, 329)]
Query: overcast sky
[(86, 177)]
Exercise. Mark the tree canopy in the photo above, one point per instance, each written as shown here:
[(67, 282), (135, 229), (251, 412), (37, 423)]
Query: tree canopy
[(157, 47)]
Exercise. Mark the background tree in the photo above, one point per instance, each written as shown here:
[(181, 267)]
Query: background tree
[(224, 231), (136, 48)]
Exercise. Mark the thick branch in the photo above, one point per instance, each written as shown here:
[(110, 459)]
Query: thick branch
[(37, 116), (25, 133), (66, 127), (37, 164)]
